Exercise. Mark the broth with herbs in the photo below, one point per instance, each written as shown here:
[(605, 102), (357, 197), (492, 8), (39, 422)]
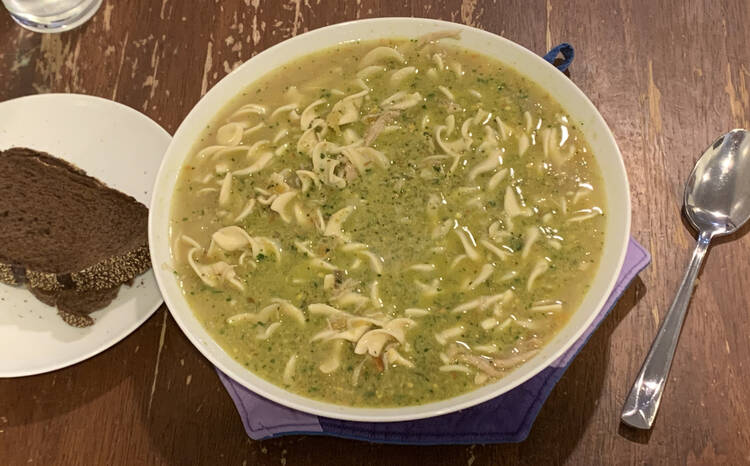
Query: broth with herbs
[(388, 223)]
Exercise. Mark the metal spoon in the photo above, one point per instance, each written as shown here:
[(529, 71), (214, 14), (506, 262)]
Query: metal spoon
[(717, 203)]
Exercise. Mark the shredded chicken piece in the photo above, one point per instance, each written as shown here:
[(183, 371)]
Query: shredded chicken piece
[(379, 125)]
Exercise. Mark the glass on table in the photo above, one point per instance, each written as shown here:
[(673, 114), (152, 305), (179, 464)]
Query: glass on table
[(51, 15)]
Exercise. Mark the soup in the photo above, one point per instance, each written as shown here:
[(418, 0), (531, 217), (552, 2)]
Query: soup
[(387, 223)]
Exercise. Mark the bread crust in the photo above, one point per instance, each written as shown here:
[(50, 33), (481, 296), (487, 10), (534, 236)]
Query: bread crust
[(107, 273)]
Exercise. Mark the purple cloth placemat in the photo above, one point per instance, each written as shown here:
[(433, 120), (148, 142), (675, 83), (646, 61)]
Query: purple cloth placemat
[(507, 418)]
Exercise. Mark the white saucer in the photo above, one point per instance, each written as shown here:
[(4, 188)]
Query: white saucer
[(119, 146)]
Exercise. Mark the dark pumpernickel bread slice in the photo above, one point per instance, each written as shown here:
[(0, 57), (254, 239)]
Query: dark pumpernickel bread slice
[(68, 236)]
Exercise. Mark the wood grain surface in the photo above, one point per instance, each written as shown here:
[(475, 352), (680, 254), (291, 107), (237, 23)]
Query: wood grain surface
[(667, 76)]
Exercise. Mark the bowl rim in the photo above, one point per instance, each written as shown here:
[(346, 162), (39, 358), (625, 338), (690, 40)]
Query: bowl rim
[(279, 395)]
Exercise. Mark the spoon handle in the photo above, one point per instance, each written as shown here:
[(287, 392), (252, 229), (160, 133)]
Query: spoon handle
[(643, 401)]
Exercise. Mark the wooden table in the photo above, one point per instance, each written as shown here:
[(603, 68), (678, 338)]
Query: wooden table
[(668, 79)]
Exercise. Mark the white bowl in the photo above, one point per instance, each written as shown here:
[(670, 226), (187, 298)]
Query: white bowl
[(527, 63)]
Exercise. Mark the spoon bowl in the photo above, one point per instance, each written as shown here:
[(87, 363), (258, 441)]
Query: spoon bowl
[(717, 193)]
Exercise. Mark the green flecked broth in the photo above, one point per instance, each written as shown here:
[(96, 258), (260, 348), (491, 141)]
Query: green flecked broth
[(414, 209)]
